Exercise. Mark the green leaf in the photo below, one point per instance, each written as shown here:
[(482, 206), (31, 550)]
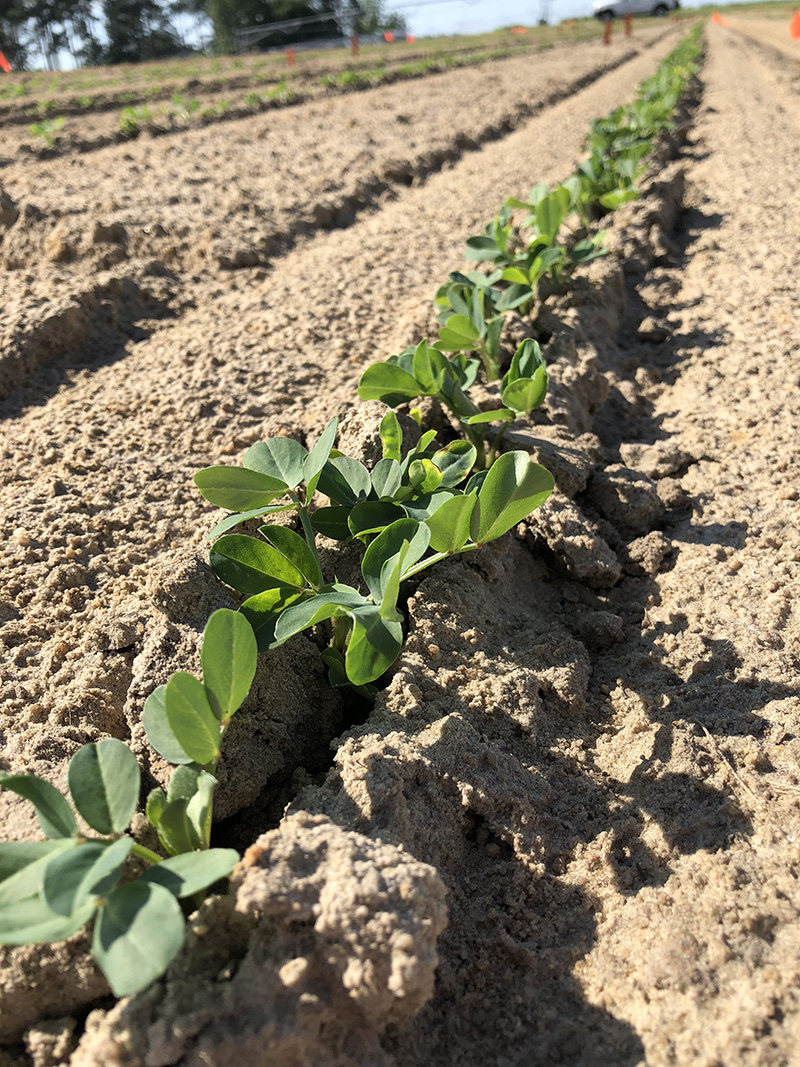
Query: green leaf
[(386, 546), (345, 481), (525, 394), (319, 456), (430, 368), (391, 438), (458, 332), (175, 829), (250, 566), (229, 656), (52, 810), (450, 524), (137, 934), (237, 489), (160, 734), (386, 477), (281, 458), (15, 856), (29, 921), (424, 475), (372, 516), (188, 874), (200, 807), (296, 551), (481, 248), (514, 274), (550, 214), (230, 521), (334, 661), (183, 782), (104, 781), (513, 488), (191, 717), (455, 461), (317, 609), (389, 383), (374, 644), (26, 881), (332, 522), (526, 361), (83, 873), (156, 801), (495, 415), (263, 609), (514, 296), (391, 575), (423, 507)]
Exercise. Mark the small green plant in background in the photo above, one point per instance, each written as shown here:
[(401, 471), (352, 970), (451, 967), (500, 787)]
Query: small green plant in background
[(48, 129), (131, 120), (183, 108), (50, 889)]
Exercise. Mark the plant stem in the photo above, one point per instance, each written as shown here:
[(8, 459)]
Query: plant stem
[(435, 559), (497, 439), (146, 854), (308, 531)]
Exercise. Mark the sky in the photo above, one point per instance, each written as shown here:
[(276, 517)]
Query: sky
[(431, 17)]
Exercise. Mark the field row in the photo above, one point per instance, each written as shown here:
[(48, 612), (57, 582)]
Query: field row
[(147, 214)]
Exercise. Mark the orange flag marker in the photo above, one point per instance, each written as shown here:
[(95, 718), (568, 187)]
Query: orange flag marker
[(4, 64), (794, 26)]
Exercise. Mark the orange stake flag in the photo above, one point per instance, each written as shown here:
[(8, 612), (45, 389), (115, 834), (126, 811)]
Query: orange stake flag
[(4, 64), (388, 37), (794, 26), (716, 17)]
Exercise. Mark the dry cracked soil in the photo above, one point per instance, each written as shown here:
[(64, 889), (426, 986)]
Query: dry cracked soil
[(567, 831)]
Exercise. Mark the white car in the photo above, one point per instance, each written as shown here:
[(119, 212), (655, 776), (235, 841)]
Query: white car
[(605, 10)]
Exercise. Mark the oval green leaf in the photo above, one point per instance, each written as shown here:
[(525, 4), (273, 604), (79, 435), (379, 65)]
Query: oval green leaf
[(84, 873), (53, 813), (389, 383), (450, 524), (192, 872), (513, 488), (237, 489), (250, 566), (281, 458), (296, 550), (526, 394), (159, 733), (137, 934), (229, 656), (104, 781), (191, 717)]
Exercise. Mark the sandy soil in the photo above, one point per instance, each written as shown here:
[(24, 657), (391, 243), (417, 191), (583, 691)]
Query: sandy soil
[(773, 32), (567, 832)]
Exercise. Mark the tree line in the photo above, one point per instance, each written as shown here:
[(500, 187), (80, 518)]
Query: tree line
[(96, 32)]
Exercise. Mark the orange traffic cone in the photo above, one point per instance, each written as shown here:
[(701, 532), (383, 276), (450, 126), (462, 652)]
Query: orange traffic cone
[(794, 26)]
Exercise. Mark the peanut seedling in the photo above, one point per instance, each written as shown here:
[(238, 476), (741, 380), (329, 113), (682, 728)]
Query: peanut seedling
[(50, 889)]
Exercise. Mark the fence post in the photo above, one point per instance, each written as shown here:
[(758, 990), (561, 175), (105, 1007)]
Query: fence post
[(628, 24), (607, 31), (354, 44), (290, 57)]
